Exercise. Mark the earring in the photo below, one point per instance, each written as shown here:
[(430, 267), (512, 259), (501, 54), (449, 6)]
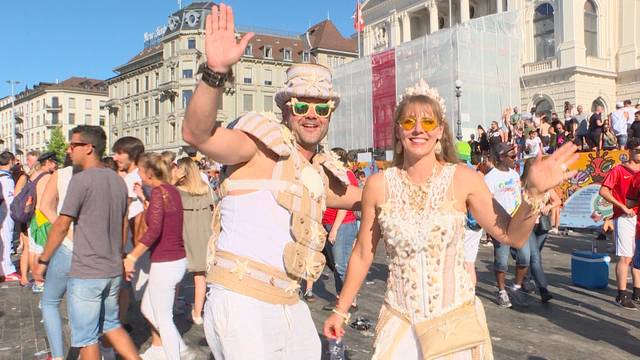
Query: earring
[(438, 148), (398, 147)]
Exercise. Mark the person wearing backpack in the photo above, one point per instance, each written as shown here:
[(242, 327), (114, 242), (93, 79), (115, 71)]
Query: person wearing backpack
[(25, 209), (8, 270)]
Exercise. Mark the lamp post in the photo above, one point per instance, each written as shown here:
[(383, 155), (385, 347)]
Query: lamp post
[(13, 115), (459, 119)]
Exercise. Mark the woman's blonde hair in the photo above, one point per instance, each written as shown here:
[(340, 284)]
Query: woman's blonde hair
[(448, 153), (153, 162), (187, 178)]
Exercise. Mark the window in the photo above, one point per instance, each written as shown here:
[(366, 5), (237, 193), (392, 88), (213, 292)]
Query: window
[(268, 52), (544, 32), (54, 118), (268, 103), (173, 48), (137, 86), (72, 118), (306, 57), (186, 97), (287, 54), (146, 83), (103, 120), (157, 79), (156, 105), (187, 73), (156, 134), (172, 103), (173, 132), (191, 43), (247, 102), (146, 108), (87, 104), (590, 28), (128, 88), (87, 119), (54, 102), (248, 51), (136, 114), (72, 103), (128, 113), (146, 135), (268, 77), (248, 75)]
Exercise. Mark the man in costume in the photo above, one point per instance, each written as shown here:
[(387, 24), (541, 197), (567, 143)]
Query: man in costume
[(275, 186)]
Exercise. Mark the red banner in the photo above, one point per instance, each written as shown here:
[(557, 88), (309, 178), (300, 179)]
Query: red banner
[(383, 94)]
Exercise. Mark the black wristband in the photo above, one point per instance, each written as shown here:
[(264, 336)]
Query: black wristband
[(212, 78), (43, 262)]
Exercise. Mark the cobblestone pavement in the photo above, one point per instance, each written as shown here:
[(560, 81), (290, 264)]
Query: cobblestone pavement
[(577, 324)]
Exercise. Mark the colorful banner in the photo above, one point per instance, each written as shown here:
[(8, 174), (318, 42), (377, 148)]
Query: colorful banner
[(383, 97), (583, 207)]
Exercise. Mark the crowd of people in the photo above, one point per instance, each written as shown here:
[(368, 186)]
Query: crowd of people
[(114, 233), (540, 132)]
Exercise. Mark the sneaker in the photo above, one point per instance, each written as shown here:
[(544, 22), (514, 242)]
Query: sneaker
[(153, 353), (625, 301), (519, 296), (545, 295), (37, 287), (636, 299), (14, 276), (529, 286), (502, 298), (308, 296)]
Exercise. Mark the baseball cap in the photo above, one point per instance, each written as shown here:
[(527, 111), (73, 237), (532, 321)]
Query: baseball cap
[(48, 156), (502, 148)]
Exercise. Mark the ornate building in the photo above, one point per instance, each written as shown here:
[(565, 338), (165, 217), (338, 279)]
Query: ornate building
[(149, 94), (580, 51), (72, 102)]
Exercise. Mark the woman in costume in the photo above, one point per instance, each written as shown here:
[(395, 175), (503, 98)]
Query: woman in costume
[(417, 207)]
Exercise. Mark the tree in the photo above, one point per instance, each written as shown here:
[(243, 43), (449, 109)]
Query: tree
[(57, 144)]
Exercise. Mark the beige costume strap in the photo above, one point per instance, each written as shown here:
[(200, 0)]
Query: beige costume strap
[(251, 278), (267, 129), (260, 184)]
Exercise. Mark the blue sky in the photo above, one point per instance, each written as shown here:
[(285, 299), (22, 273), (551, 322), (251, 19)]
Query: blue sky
[(45, 40)]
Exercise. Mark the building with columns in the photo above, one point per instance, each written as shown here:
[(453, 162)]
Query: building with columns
[(149, 95), (577, 51)]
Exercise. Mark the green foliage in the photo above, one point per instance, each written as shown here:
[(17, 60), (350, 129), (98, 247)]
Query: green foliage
[(57, 144)]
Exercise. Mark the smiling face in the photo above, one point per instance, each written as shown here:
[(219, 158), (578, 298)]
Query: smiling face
[(418, 142), (310, 128)]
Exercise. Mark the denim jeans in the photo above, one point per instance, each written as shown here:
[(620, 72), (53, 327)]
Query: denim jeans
[(341, 251), (54, 289), (536, 242), (501, 256), (93, 308)]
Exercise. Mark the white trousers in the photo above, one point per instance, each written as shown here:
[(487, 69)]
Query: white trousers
[(157, 304), (239, 327), (6, 233)]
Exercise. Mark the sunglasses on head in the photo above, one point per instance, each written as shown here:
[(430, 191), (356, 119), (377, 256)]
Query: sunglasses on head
[(301, 108), (427, 123)]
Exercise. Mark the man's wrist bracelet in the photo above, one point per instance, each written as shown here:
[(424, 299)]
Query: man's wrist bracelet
[(213, 78)]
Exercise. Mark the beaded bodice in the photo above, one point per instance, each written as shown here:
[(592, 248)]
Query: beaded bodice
[(424, 239)]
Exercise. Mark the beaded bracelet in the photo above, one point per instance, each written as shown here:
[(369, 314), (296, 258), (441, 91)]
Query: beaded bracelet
[(345, 316)]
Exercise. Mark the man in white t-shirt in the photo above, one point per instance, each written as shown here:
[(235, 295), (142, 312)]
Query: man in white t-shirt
[(533, 144), (127, 151), (504, 183), (619, 123)]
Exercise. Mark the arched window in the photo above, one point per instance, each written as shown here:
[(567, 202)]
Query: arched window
[(544, 32), (590, 28), (598, 102), (543, 105)]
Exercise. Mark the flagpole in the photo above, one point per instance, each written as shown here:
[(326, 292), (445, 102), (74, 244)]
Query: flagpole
[(358, 44)]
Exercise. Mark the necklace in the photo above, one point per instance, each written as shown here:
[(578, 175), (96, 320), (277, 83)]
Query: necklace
[(418, 193)]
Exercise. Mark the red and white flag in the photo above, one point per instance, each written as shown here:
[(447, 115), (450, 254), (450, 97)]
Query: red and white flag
[(358, 21)]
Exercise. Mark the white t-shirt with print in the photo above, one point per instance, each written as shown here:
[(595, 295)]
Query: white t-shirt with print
[(533, 145), (505, 187), (136, 206)]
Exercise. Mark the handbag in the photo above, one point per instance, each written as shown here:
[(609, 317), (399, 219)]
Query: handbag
[(544, 225), (462, 329)]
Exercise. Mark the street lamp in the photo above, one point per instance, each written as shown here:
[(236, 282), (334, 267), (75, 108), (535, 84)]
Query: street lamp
[(459, 120), (13, 115)]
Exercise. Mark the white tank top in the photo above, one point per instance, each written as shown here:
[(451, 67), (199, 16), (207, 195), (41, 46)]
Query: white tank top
[(255, 226), (64, 177)]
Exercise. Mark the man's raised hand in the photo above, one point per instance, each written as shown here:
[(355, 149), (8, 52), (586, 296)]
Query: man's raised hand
[(221, 47)]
